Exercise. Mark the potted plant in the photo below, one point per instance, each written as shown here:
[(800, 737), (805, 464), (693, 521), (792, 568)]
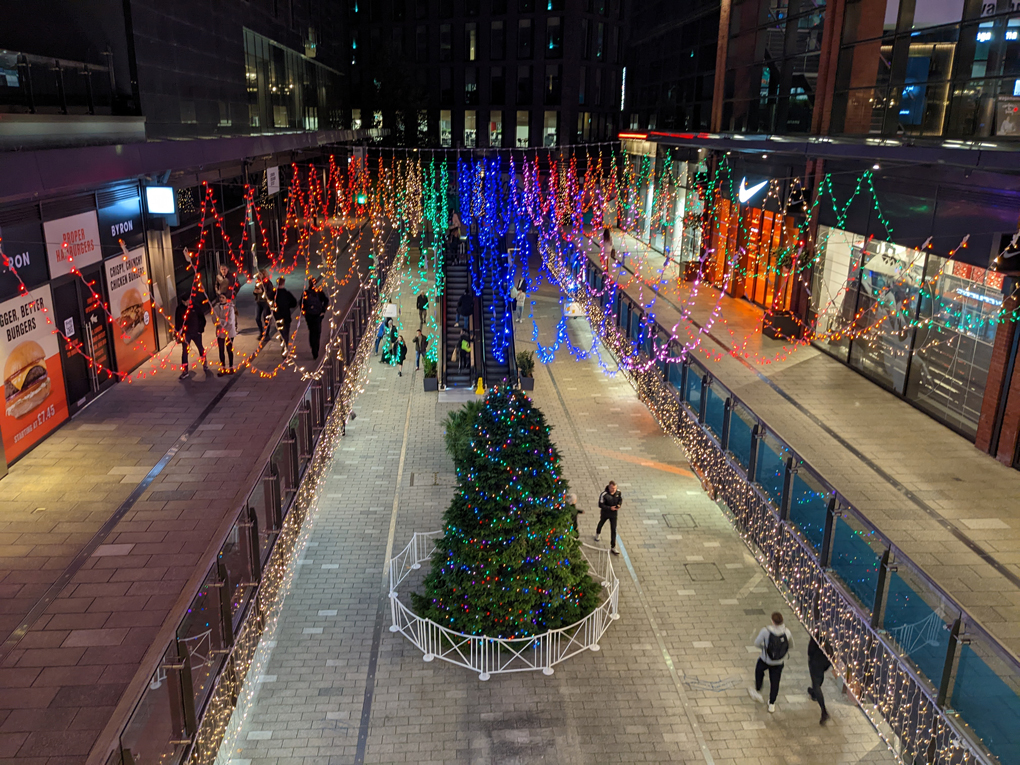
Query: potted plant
[(526, 369), (429, 371)]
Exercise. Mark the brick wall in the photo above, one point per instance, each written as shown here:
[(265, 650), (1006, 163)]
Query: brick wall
[(994, 393)]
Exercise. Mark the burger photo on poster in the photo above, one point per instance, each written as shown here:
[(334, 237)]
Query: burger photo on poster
[(26, 380), (132, 315)]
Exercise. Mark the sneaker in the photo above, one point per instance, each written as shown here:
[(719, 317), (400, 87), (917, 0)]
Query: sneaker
[(825, 718), (755, 695), (400, 374), (221, 373), (598, 537), (614, 551), (185, 375), (772, 707)]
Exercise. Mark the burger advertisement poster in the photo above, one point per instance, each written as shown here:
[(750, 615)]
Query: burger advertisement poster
[(34, 400), (134, 338)]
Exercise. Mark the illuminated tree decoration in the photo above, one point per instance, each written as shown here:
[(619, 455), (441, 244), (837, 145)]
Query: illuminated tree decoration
[(508, 565)]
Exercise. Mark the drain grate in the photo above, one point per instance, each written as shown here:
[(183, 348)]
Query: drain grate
[(679, 520)]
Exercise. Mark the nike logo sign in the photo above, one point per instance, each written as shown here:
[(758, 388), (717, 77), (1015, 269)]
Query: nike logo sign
[(745, 193)]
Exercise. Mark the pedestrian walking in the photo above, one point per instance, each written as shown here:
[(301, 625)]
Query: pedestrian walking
[(189, 324), (609, 510), (401, 355), (465, 307), (818, 663), (522, 299), (226, 330), (283, 308), (423, 308), (314, 303), (421, 344), (574, 511), (775, 642), (465, 350), (389, 354), (225, 284), (380, 334), (265, 296), (513, 301)]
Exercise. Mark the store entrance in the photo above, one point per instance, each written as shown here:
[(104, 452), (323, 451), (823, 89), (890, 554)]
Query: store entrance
[(80, 317)]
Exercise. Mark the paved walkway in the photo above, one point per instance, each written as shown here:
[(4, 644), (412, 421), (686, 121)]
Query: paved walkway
[(87, 578), (951, 508), (670, 683)]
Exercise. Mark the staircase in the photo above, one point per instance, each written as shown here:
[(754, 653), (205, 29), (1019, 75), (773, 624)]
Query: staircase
[(493, 311), (456, 283)]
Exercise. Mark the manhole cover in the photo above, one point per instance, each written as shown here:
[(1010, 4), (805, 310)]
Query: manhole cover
[(703, 572), (433, 479), (679, 520)]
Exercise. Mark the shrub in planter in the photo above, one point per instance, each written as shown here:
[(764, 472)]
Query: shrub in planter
[(526, 369), (430, 371)]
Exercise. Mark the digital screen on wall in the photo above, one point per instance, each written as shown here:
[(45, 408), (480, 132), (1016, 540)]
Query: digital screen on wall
[(127, 281), (34, 399)]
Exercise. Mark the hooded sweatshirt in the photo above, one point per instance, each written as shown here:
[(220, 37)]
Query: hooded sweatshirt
[(762, 642)]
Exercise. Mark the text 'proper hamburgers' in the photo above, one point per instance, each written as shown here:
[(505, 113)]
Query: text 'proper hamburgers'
[(26, 381), (132, 317)]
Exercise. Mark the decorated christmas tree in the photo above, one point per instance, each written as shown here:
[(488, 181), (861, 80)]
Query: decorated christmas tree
[(508, 565)]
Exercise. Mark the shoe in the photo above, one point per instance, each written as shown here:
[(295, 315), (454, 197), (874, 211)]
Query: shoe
[(755, 695), (230, 371), (206, 368), (598, 537), (220, 373), (400, 374), (772, 707), (614, 551), (825, 718), (185, 375)]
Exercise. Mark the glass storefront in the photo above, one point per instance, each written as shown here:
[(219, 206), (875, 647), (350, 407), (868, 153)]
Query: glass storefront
[(918, 323)]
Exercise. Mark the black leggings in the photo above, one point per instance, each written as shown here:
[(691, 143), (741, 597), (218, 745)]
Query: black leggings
[(228, 344), (775, 672)]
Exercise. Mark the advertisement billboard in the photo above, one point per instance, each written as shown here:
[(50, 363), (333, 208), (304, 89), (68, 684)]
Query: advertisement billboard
[(34, 400), (127, 280), (77, 238)]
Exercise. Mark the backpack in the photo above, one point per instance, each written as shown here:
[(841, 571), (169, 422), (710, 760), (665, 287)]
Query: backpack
[(314, 304), (777, 647)]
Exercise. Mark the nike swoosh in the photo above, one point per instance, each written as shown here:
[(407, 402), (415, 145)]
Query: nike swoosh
[(745, 193)]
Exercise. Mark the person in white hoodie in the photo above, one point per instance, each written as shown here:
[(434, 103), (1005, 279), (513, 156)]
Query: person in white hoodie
[(775, 642)]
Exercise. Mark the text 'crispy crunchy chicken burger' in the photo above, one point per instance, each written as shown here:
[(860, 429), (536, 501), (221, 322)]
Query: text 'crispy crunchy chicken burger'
[(132, 317), (26, 381)]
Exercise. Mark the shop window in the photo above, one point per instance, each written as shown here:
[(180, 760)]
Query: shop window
[(471, 41), (552, 85), (550, 132), (470, 85), (600, 41), (521, 136), (959, 306), (887, 289), (445, 128), (355, 119), (470, 128), (833, 300)]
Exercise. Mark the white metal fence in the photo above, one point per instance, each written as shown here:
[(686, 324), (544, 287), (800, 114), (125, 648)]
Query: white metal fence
[(487, 655)]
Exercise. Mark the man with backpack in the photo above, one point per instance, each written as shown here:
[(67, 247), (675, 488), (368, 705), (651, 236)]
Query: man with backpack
[(775, 642), (313, 307)]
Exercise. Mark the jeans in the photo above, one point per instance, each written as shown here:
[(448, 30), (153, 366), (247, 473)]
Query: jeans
[(775, 672), (417, 359), (463, 320), (423, 314), (188, 340), (378, 339), (226, 347), (608, 515)]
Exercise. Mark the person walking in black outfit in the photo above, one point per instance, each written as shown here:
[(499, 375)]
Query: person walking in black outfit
[(775, 642), (283, 307), (421, 343), (313, 307), (189, 324), (265, 296), (465, 307), (423, 308), (609, 508), (818, 663), (401, 355)]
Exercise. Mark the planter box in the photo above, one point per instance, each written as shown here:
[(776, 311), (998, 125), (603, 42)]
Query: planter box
[(782, 325), (527, 383), (431, 384)]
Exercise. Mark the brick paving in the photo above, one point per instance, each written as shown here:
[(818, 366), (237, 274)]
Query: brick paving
[(64, 670), (691, 597), (950, 507)]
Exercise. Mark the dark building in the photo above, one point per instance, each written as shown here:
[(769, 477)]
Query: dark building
[(896, 123), (481, 73)]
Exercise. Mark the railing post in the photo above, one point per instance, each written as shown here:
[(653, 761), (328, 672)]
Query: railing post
[(787, 498), (61, 93), (88, 89), (274, 497), (182, 672), (226, 615), (951, 664), (685, 368), (254, 548), (703, 398), (752, 459), (881, 588), (830, 527), (25, 72), (727, 415)]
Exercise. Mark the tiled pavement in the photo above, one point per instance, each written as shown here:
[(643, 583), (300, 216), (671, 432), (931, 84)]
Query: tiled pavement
[(64, 670), (691, 598), (951, 508)]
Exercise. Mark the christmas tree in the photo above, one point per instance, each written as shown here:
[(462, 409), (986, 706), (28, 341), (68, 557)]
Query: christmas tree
[(508, 565)]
